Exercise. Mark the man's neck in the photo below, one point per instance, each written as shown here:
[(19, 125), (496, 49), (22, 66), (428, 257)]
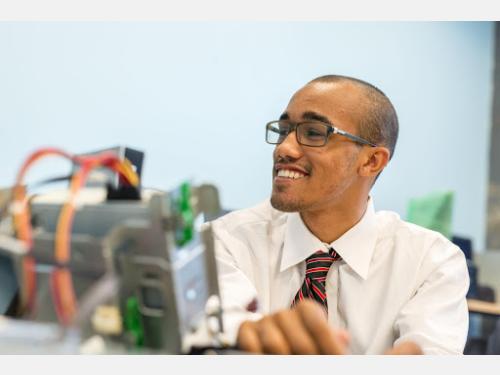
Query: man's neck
[(331, 223)]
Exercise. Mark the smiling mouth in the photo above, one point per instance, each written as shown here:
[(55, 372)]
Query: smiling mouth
[(290, 174)]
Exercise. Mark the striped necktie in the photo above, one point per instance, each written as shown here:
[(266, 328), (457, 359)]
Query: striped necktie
[(317, 266)]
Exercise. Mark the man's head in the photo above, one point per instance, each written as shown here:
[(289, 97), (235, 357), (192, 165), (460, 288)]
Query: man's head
[(343, 170)]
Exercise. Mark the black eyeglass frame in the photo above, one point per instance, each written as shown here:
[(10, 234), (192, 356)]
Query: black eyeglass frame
[(330, 130)]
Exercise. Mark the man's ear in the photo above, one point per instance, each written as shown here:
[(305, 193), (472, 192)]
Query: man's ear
[(374, 161)]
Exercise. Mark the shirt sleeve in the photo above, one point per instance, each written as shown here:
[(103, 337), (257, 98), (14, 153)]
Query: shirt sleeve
[(238, 294), (436, 317)]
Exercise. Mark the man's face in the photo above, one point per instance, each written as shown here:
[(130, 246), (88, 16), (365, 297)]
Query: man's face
[(324, 176)]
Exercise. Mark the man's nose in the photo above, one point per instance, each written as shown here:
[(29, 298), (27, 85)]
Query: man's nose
[(289, 147)]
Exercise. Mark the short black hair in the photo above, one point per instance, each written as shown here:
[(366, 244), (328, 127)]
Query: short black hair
[(379, 123)]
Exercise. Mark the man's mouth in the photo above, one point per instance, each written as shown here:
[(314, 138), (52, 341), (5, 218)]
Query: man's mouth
[(288, 173)]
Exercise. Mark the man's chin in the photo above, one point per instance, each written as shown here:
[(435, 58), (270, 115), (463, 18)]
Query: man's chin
[(285, 205)]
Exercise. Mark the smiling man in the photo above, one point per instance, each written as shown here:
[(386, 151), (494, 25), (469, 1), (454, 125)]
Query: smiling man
[(315, 269)]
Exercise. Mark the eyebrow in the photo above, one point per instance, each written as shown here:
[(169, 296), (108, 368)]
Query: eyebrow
[(315, 116), (309, 115)]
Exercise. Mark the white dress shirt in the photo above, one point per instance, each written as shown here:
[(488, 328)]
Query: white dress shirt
[(396, 281)]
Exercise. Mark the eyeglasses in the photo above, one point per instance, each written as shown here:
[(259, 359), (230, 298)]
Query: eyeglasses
[(308, 133)]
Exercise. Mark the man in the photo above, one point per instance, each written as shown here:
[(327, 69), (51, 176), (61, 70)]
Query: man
[(316, 269)]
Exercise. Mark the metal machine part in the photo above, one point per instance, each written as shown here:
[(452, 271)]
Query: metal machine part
[(147, 257)]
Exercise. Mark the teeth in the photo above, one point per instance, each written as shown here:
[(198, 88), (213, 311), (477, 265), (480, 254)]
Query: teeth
[(290, 174)]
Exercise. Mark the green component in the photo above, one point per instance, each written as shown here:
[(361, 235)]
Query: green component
[(133, 321), (185, 233), (432, 211)]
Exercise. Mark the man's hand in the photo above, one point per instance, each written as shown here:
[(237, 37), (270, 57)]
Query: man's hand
[(405, 348), (301, 330)]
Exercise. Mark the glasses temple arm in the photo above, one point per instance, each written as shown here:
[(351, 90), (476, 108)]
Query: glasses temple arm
[(353, 137)]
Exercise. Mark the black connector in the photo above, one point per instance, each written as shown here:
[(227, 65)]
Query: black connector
[(117, 188), (123, 192)]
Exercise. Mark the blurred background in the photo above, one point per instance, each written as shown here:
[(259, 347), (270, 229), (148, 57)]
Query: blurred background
[(195, 96)]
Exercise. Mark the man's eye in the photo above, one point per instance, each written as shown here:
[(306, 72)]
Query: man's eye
[(313, 133)]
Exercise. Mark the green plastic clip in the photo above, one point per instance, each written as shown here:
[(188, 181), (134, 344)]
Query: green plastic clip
[(133, 321), (185, 233)]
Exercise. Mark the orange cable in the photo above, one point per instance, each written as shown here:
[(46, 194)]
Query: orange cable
[(22, 222), (61, 281)]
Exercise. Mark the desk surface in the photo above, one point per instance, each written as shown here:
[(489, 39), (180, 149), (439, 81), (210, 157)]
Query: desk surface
[(483, 307)]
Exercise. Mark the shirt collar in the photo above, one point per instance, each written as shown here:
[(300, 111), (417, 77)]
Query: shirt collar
[(355, 246)]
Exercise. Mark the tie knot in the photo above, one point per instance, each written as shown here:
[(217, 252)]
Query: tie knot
[(318, 264)]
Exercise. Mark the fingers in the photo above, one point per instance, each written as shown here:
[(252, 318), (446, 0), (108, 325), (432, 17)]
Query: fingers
[(272, 338), (314, 319), (263, 336), (302, 330), (248, 338), (405, 348), (298, 337)]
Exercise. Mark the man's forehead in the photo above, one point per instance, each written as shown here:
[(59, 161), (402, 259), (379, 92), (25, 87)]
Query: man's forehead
[(331, 99)]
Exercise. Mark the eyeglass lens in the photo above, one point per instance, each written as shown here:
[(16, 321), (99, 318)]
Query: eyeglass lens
[(308, 133)]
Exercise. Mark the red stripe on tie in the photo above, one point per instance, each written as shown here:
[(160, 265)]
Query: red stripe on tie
[(308, 283), (318, 292), (319, 260), (317, 269)]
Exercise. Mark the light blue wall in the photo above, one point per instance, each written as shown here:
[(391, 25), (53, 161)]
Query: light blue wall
[(196, 96)]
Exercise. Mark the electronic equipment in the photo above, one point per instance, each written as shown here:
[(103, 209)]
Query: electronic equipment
[(142, 270)]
